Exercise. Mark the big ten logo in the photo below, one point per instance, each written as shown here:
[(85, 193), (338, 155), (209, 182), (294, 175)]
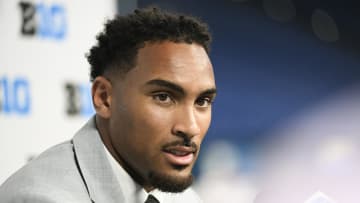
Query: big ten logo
[(78, 100), (47, 21), (15, 97)]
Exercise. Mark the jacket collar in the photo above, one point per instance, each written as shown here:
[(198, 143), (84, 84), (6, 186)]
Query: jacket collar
[(94, 166)]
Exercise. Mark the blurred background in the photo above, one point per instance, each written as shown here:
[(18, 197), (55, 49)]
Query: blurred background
[(286, 121)]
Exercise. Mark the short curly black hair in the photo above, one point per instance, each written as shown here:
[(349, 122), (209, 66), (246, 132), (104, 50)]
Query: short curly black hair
[(117, 46)]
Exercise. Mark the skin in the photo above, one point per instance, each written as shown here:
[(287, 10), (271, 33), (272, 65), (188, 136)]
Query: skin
[(165, 98)]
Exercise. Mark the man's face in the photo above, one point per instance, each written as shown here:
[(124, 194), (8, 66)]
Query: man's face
[(160, 113)]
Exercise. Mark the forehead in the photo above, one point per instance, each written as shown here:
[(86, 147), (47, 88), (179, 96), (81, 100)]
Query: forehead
[(173, 54), (181, 63)]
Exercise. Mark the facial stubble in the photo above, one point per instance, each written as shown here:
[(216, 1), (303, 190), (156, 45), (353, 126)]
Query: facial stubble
[(173, 183), (168, 183)]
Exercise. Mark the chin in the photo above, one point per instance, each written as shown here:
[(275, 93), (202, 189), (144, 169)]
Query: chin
[(175, 181)]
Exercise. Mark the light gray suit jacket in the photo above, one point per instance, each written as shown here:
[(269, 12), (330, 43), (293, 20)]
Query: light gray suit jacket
[(74, 171)]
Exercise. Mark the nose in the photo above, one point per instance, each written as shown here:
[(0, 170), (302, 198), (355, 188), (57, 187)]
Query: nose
[(186, 123)]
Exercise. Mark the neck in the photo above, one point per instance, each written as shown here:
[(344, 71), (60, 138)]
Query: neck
[(103, 127)]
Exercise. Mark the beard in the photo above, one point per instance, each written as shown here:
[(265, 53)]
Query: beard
[(167, 183)]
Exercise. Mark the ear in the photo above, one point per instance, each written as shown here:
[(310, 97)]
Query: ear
[(101, 92)]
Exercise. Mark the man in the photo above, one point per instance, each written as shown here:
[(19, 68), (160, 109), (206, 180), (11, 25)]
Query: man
[(153, 86)]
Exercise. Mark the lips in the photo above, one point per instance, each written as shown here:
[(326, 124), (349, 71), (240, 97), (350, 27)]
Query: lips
[(180, 155)]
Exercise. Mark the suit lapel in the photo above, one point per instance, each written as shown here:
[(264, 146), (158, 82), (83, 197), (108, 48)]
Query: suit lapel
[(94, 166)]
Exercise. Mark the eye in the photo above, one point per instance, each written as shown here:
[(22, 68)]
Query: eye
[(203, 102), (163, 98)]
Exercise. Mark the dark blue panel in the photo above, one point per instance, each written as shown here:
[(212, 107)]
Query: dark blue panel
[(267, 71)]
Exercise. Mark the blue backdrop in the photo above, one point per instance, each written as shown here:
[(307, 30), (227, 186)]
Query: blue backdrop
[(268, 71)]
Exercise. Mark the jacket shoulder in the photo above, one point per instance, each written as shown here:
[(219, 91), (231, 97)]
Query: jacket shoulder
[(51, 177)]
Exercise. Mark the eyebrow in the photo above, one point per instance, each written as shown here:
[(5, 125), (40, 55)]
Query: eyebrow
[(177, 88), (209, 92)]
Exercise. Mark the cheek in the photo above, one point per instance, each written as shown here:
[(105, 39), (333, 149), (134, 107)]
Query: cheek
[(155, 119), (150, 124), (204, 121)]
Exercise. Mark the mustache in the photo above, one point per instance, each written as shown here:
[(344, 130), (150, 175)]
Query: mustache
[(185, 143)]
